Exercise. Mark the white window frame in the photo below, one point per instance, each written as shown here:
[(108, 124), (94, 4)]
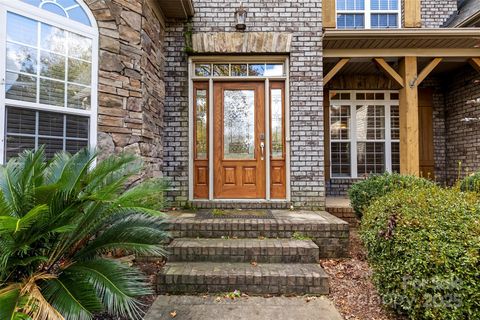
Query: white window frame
[(353, 139), (211, 79), (367, 13), (41, 15)]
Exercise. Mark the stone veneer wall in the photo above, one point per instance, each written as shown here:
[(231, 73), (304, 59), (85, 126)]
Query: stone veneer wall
[(303, 19), (463, 139), (436, 12), (131, 89)]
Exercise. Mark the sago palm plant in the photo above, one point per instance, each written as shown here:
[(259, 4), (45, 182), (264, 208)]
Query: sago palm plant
[(59, 222)]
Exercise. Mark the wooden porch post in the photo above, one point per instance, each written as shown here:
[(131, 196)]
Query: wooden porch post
[(409, 131)]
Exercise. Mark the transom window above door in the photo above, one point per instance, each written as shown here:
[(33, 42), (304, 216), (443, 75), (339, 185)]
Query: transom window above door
[(239, 70), (366, 14)]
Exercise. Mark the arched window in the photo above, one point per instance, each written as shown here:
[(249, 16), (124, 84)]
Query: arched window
[(48, 71)]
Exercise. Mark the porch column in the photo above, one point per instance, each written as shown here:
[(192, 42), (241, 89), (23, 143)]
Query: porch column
[(409, 131)]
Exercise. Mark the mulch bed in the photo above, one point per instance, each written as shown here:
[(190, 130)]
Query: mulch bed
[(351, 288)]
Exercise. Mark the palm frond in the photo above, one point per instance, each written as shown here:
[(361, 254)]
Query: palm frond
[(37, 306), (72, 296), (9, 301), (56, 166), (137, 233), (117, 285)]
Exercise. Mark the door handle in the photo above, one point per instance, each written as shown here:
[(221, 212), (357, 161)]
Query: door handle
[(262, 148)]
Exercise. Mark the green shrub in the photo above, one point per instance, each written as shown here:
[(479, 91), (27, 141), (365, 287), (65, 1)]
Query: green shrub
[(471, 183), (364, 192), (59, 222), (423, 246)]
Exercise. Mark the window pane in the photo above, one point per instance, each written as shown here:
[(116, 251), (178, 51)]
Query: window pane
[(370, 158), (24, 126), (21, 121), (202, 70), (79, 71), (273, 70), (79, 15), (239, 124), (221, 70), (21, 58), (73, 146), (384, 4), (239, 70), (53, 8), (53, 39), (52, 146), (21, 87), (340, 122), (395, 122), (340, 159), (277, 123), (350, 21), (256, 69), (201, 132), (52, 65), (21, 29), (77, 127), (396, 157), (384, 21), (370, 123), (78, 97), (50, 124), (52, 92), (79, 47), (17, 144)]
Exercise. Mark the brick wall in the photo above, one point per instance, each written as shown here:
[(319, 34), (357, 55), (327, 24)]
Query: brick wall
[(303, 19), (131, 88), (436, 12), (463, 140)]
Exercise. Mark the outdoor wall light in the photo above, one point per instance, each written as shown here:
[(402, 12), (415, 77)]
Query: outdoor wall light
[(241, 17)]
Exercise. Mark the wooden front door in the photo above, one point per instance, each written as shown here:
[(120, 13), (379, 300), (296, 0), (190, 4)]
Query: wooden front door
[(239, 140)]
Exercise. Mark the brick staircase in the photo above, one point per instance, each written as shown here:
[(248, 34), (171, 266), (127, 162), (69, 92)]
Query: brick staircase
[(255, 256)]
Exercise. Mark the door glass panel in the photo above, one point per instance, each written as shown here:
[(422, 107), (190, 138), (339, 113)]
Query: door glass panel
[(201, 124), (239, 124), (277, 123)]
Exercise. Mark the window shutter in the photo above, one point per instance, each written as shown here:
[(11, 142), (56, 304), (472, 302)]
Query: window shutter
[(413, 16), (329, 14)]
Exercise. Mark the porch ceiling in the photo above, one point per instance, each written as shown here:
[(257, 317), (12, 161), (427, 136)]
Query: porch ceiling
[(180, 9), (463, 42), (365, 66)]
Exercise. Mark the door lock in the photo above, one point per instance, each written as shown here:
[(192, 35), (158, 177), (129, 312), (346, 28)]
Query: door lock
[(262, 147)]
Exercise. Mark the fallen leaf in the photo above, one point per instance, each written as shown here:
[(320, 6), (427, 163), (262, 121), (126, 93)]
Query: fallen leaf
[(173, 314), (253, 263)]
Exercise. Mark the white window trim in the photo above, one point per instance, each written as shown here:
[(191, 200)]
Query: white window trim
[(367, 13), (353, 103), (64, 23), (211, 79)]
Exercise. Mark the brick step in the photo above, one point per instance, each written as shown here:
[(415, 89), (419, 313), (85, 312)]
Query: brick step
[(244, 250), (327, 231), (217, 277)]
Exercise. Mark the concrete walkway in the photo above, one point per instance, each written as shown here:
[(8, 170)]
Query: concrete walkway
[(245, 308)]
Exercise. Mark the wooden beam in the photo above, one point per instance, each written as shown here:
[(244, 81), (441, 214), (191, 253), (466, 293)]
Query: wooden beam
[(389, 71), (409, 125), (475, 63), (329, 15), (426, 71), (340, 64), (412, 14)]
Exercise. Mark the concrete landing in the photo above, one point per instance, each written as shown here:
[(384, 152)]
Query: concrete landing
[(212, 308)]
